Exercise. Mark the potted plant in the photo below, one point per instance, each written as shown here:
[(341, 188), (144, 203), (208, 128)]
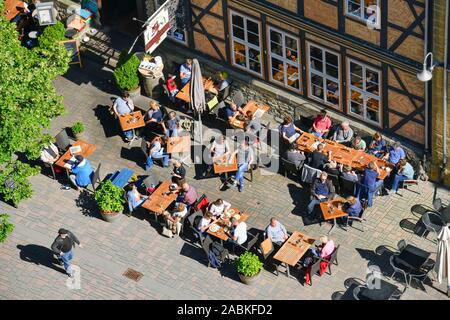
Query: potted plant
[(77, 130), (6, 227), (248, 267), (126, 74), (110, 200)]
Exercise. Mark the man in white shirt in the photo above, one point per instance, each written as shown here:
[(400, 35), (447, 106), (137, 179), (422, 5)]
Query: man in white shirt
[(239, 232), (219, 207)]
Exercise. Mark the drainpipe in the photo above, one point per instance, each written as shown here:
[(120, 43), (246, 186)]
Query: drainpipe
[(445, 99), (425, 49)]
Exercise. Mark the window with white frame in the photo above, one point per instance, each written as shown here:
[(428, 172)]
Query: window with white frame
[(284, 58), (364, 91), (246, 42), (177, 31), (323, 75), (360, 8)]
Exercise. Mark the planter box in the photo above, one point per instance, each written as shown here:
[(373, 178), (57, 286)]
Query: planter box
[(110, 217)]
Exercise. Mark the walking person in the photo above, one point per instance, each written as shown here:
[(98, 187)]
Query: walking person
[(62, 246)]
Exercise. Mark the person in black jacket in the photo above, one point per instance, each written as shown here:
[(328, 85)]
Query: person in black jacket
[(62, 247), (318, 158), (293, 154), (322, 190)]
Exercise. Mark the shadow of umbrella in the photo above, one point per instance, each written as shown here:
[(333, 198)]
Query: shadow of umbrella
[(39, 255)]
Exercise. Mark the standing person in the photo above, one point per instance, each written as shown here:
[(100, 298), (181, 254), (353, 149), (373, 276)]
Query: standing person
[(276, 232), (405, 171), (186, 72), (156, 152), (173, 125), (377, 146), (288, 131), (172, 87), (178, 173), (371, 181), (135, 199), (395, 153), (322, 190), (343, 134), (62, 246), (322, 124), (122, 106), (245, 158), (82, 173)]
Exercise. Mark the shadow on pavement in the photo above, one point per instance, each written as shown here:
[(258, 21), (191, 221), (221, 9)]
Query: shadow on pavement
[(39, 255)]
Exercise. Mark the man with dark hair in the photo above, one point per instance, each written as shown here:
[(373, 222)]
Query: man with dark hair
[(321, 125), (395, 154), (294, 155), (122, 106), (82, 173), (318, 158), (62, 247)]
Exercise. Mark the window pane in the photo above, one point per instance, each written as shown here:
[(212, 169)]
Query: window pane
[(293, 77), (333, 92), (317, 86), (291, 48), (254, 60), (332, 71), (276, 37), (373, 109), (238, 33), (277, 70), (316, 64), (315, 52), (372, 82), (354, 7), (356, 104), (252, 27), (356, 75), (276, 48), (238, 21), (253, 38), (239, 54)]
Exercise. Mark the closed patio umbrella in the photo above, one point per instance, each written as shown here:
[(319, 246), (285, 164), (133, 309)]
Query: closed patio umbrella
[(443, 257), (197, 94)]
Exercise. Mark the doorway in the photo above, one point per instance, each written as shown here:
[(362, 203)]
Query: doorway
[(118, 14)]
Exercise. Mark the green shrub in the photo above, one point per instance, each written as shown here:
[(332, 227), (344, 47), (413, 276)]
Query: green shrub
[(126, 73), (51, 35), (6, 227), (77, 128), (109, 197), (14, 184), (248, 264)]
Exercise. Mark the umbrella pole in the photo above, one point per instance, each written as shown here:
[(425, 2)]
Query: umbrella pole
[(200, 128)]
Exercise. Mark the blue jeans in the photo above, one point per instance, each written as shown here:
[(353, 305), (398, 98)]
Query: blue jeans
[(397, 179), (313, 203), (184, 81), (318, 134), (172, 132), (66, 258), (163, 157), (365, 193), (128, 134), (240, 174)]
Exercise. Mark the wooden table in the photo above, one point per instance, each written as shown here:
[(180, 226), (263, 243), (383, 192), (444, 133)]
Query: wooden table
[(252, 106), (336, 212), (224, 222), (291, 251), (86, 150), (357, 159), (12, 8), (184, 94), (180, 144), (160, 199), (223, 165), (132, 121)]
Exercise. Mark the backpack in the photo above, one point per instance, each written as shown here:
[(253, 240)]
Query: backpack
[(215, 254), (213, 261)]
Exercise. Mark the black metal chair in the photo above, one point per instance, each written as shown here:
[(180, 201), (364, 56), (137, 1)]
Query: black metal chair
[(359, 219), (401, 245), (357, 291), (62, 140), (432, 222), (422, 274), (399, 268), (247, 245), (191, 223), (96, 177), (314, 269), (206, 245), (335, 180), (289, 167), (347, 187)]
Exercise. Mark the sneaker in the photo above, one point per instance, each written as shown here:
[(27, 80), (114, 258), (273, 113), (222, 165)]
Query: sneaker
[(65, 187), (240, 188), (70, 275)]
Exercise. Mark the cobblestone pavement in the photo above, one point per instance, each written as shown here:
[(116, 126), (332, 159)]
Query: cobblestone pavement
[(173, 268)]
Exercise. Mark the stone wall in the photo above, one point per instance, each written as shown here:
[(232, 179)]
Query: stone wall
[(66, 8)]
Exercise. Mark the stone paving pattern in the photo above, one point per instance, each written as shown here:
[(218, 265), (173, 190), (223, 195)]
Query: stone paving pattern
[(174, 268)]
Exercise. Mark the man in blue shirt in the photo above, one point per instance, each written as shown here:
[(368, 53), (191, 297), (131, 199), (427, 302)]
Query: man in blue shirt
[(370, 180), (405, 171), (231, 111), (154, 119), (122, 106), (82, 173), (185, 72), (395, 154), (135, 199), (322, 190)]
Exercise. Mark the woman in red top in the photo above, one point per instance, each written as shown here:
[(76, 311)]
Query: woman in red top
[(322, 124), (172, 87)]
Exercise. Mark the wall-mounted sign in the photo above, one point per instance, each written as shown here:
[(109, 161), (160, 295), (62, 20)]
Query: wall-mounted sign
[(157, 26)]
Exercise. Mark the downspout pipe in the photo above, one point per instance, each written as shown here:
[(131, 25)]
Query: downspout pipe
[(425, 49), (445, 96)]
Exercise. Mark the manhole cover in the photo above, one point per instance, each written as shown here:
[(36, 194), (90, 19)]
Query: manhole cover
[(133, 274)]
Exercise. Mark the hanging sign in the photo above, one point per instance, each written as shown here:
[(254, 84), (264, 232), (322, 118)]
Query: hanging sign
[(157, 27)]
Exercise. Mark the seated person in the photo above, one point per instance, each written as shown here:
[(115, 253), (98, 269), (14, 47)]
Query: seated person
[(205, 222), (218, 207), (253, 124), (179, 172), (358, 144), (223, 83), (186, 72), (219, 147), (155, 151), (325, 249), (293, 154), (332, 168), (288, 130), (349, 174), (173, 125), (343, 134), (172, 87), (318, 158), (174, 216), (395, 153), (188, 195), (135, 199), (50, 154), (231, 111), (154, 119), (122, 106), (82, 173), (370, 180), (238, 232), (322, 124), (352, 207), (276, 232), (405, 171), (378, 145), (322, 190)]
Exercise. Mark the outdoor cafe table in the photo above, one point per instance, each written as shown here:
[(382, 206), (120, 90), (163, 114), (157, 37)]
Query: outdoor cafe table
[(253, 107), (132, 121), (223, 165), (357, 159), (413, 257), (180, 147), (160, 199), (294, 249), (330, 211), (184, 94), (86, 150), (384, 292), (224, 223)]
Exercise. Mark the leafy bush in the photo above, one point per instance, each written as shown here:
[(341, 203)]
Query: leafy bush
[(78, 127), (248, 264), (51, 35), (109, 197), (126, 73), (14, 184), (6, 227)]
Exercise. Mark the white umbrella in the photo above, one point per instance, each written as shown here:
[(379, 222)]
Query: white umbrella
[(443, 256), (197, 93)]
